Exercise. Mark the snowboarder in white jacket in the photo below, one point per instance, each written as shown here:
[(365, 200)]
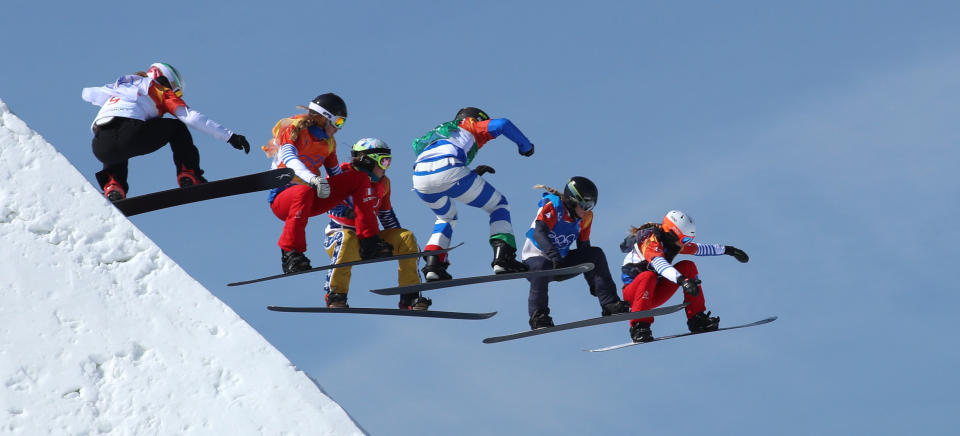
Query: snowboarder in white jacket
[(131, 123)]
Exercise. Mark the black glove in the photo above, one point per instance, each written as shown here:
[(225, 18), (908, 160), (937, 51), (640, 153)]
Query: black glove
[(482, 169), (239, 142), (553, 258), (529, 153), (737, 253), (690, 286), (374, 247), (634, 269)]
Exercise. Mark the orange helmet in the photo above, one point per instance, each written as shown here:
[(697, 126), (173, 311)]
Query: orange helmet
[(681, 225)]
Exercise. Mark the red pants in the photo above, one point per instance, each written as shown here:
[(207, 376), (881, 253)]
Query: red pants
[(296, 204), (649, 291)]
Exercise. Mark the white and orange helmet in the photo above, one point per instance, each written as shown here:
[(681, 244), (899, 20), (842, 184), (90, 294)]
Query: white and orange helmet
[(166, 75), (681, 225)]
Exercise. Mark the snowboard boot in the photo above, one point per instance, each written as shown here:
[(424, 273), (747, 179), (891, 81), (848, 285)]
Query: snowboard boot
[(413, 301), (640, 332), (505, 258), (190, 177), (113, 190), (703, 322), (336, 300), (406, 300), (374, 248), (541, 319), (614, 308), (421, 303), (435, 269), (294, 261)]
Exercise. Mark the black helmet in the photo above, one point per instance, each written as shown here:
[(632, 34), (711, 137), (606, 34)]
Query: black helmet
[(580, 190), (329, 102), (472, 112)]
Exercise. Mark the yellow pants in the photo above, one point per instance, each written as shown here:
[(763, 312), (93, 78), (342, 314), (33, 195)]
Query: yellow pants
[(342, 245)]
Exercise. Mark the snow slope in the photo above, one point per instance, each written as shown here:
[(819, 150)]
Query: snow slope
[(100, 332)]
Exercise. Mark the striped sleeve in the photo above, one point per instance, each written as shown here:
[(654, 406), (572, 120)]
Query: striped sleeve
[(709, 250), (334, 171), (287, 155), (330, 161), (664, 269), (388, 219)]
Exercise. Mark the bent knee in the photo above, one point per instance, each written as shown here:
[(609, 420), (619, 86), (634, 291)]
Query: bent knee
[(687, 268)]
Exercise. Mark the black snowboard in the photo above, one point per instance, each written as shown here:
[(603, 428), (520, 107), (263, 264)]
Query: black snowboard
[(439, 284), (661, 338), (626, 316), (341, 265), (379, 311), (204, 191)]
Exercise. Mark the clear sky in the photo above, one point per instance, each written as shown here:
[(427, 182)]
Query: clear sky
[(820, 137)]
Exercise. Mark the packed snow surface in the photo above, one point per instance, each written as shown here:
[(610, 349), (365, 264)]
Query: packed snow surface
[(101, 332)]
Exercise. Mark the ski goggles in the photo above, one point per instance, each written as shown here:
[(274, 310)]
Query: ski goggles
[(334, 120), (382, 160), (587, 204), (680, 236), (165, 82)]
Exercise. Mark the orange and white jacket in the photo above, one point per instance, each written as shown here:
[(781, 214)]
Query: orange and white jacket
[(648, 249), (303, 148)]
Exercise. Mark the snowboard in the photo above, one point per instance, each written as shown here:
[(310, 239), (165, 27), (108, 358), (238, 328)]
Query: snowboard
[(204, 191), (663, 338), (576, 269), (587, 322), (340, 265), (379, 311)]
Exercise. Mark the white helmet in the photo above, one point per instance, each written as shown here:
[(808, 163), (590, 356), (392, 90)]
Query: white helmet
[(371, 151), (681, 225), (166, 71)]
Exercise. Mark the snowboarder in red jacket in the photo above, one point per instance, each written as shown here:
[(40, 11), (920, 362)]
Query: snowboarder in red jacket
[(650, 278), (305, 143)]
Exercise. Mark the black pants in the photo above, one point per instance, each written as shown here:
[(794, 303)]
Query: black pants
[(123, 138), (598, 279)]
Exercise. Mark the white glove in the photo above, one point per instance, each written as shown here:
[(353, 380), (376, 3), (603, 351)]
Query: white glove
[(320, 184)]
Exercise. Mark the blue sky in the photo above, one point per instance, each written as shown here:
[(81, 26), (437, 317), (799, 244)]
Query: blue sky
[(819, 137)]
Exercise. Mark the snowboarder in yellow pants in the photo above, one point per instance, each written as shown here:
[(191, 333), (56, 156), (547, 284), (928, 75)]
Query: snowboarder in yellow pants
[(371, 156)]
